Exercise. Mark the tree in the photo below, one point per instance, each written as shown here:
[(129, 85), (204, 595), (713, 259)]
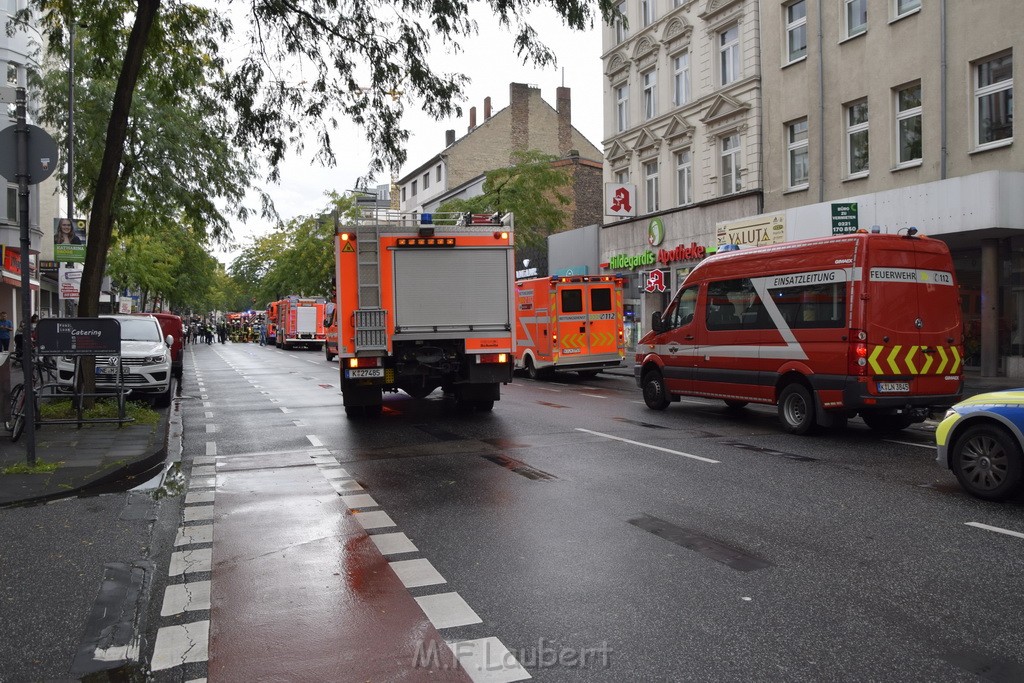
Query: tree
[(364, 60), (531, 189)]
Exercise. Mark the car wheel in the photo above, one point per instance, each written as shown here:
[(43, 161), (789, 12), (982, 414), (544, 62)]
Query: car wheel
[(987, 462), (655, 392), (327, 352), (531, 369), (796, 409), (735, 405), (882, 422)]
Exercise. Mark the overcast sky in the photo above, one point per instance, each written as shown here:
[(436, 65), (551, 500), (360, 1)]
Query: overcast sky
[(490, 63)]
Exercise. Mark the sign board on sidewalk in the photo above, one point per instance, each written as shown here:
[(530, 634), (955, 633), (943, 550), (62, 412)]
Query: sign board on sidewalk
[(844, 218), (78, 337)]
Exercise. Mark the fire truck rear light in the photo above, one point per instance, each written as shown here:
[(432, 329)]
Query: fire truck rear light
[(492, 358), (370, 362), (348, 237), (501, 235)]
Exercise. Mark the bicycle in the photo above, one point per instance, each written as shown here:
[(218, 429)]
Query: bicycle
[(45, 368)]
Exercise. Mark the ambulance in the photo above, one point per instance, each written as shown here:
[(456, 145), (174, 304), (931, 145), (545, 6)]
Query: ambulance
[(571, 323), (825, 329)]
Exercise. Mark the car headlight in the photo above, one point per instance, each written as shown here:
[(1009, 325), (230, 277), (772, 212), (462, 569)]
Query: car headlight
[(949, 413), (154, 360)]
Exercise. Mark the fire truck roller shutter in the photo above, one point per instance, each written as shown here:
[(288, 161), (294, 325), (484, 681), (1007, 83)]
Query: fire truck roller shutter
[(450, 288)]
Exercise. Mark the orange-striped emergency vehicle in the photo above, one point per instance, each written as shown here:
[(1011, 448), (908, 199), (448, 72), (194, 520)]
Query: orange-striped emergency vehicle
[(424, 301), (569, 323), (826, 329), (300, 322)]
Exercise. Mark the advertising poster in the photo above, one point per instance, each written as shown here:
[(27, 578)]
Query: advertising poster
[(69, 238), (69, 282)]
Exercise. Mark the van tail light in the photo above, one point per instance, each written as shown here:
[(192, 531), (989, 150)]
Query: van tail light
[(858, 359)]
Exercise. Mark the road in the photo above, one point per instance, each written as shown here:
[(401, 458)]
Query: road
[(571, 534)]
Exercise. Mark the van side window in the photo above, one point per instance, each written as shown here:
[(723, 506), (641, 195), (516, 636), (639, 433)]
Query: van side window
[(812, 306), (735, 305), (572, 300), (600, 299), (682, 309)]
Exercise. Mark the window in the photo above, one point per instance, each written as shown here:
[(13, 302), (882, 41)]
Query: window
[(684, 178), (622, 107), (651, 185), (600, 299), (12, 203), (621, 29), (647, 12), (681, 79), (857, 137), (796, 30), (403, 194), (426, 180), (735, 305), (908, 124), (622, 176), (993, 99), (906, 6), (729, 54), (437, 173), (414, 188), (682, 309), (731, 164), (811, 306), (856, 17), (796, 151), (12, 74), (572, 300), (650, 81)]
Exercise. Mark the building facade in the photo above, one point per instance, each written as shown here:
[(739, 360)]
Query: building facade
[(528, 122), (682, 121), (903, 109)]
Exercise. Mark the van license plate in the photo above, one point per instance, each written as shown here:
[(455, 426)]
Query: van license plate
[(888, 387), (364, 372)]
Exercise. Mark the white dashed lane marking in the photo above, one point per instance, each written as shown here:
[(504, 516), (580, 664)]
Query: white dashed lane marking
[(182, 644), (189, 561), (996, 529), (647, 445), (314, 441), (194, 535), (393, 544), (186, 597), (448, 610), (416, 573)]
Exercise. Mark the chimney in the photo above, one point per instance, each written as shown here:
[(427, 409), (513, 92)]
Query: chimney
[(472, 118), (487, 108), (563, 104), (449, 138), (519, 106)]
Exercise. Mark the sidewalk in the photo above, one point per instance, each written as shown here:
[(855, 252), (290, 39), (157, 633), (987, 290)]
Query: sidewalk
[(93, 456)]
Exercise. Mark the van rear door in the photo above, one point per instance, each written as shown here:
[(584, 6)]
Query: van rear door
[(571, 319), (912, 316), (602, 318)]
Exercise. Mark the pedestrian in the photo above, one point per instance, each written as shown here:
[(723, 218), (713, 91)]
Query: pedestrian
[(6, 328)]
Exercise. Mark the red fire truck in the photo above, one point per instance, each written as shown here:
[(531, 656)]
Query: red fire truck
[(300, 322), (826, 328), (424, 301)]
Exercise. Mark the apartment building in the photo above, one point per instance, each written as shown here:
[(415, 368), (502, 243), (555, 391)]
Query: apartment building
[(902, 112), (528, 122), (682, 122)]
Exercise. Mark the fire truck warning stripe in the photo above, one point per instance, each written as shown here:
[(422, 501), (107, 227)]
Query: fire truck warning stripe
[(647, 445)]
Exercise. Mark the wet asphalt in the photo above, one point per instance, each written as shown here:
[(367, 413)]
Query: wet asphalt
[(573, 522)]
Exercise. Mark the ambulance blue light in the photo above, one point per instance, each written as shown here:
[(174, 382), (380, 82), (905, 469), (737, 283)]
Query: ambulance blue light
[(426, 218)]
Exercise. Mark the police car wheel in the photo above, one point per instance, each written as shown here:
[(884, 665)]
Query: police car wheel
[(988, 463), (796, 409), (655, 392)]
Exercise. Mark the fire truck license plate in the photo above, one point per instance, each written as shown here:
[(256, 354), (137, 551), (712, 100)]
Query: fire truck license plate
[(364, 372), (893, 386)]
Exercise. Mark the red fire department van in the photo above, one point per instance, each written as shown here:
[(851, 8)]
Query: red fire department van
[(271, 322), (569, 323), (826, 328)]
